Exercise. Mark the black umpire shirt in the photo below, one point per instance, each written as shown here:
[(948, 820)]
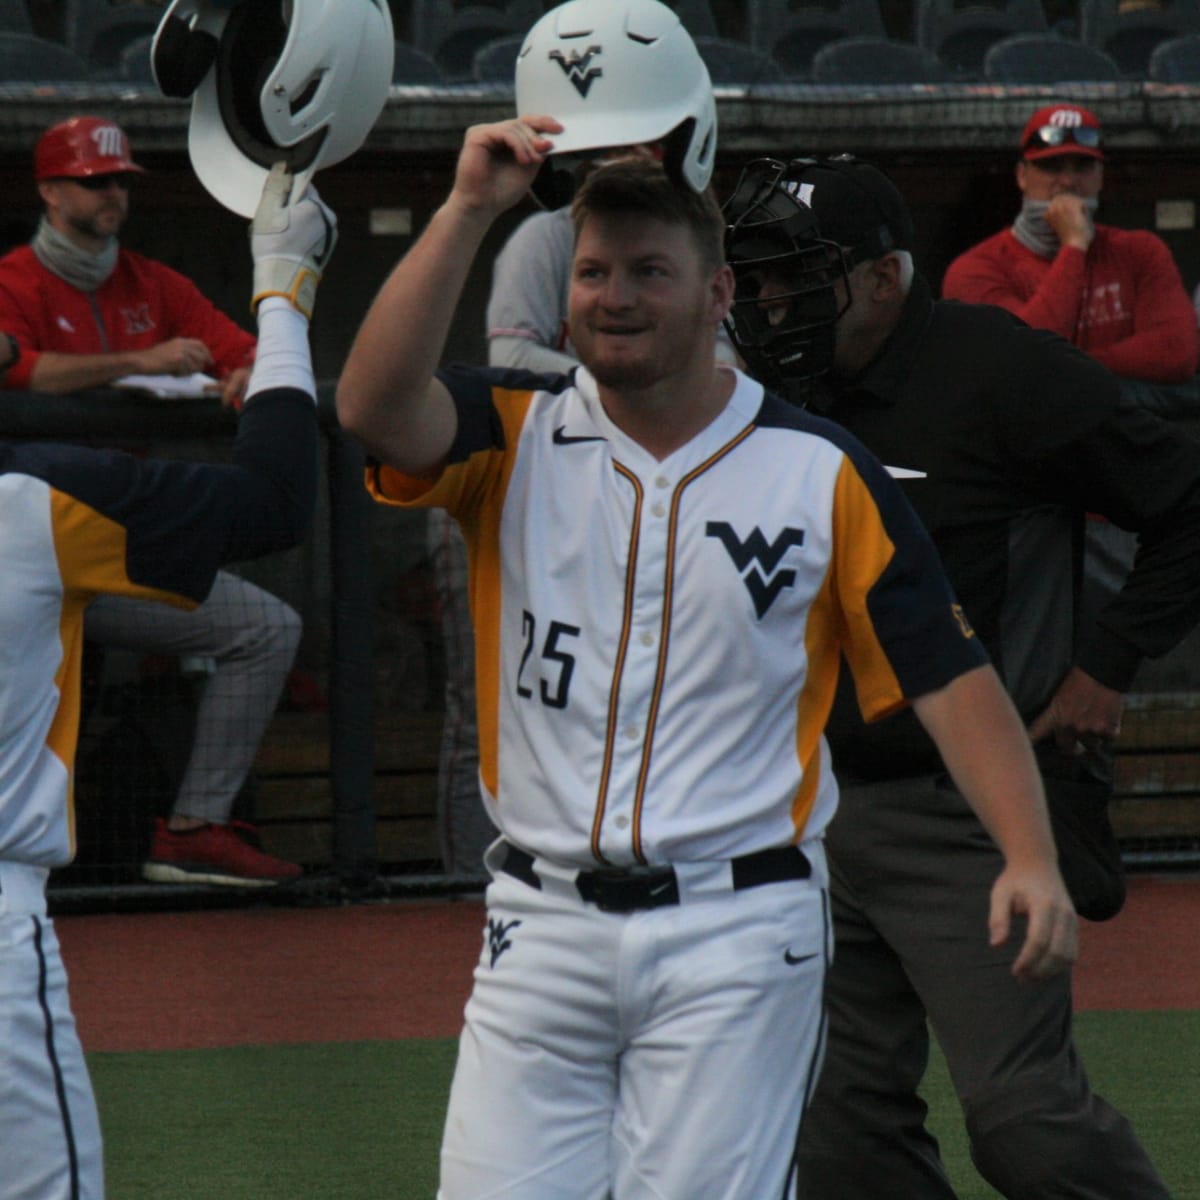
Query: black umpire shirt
[(1016, 435)]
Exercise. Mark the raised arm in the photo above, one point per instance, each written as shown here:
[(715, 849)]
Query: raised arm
[(387, 395), (988, 754)]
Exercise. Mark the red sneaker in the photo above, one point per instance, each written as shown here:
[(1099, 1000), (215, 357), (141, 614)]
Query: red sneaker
[(212, 854)]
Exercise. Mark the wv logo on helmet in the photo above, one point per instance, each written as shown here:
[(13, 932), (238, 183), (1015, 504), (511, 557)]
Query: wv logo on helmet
[(578, 67), (757, 560)]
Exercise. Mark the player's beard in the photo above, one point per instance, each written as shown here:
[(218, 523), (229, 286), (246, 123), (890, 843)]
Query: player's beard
[(673, 346), (627, 377)]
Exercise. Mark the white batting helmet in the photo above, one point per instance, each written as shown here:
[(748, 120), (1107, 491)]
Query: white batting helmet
[(620, 73), (298, 80)]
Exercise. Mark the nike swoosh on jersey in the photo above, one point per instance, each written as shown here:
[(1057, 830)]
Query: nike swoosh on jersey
[(795, 959), (906, 473), (565, 439)]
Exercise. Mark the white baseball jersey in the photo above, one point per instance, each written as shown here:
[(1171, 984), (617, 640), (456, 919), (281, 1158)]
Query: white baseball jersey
[(658, 642)]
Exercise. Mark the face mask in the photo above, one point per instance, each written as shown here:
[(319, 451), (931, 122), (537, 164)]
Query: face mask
[(1033, 231)]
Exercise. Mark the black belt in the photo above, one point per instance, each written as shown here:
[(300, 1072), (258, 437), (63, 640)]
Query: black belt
[(628, 889)]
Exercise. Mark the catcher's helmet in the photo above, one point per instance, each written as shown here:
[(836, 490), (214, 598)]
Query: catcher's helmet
[(786, 302), (617, 73), (82, 146), (301, 81), (803, 226)]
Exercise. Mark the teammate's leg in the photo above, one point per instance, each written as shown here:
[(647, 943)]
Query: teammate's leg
[(50, 1148)]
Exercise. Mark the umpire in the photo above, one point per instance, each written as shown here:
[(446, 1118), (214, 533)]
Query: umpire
[(1003, 436)]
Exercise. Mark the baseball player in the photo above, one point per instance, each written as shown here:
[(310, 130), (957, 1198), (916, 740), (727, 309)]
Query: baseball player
[(665, 564), (76, 523)]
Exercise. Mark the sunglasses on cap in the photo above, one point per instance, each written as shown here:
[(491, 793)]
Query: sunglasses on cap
[(1049, 136), (100, 183)]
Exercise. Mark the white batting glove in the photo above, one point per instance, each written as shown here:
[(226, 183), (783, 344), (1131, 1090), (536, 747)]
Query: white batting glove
[(290, 242)]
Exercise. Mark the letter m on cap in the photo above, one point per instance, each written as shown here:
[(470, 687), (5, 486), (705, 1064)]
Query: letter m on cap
[(1065, 117), (110, 141)]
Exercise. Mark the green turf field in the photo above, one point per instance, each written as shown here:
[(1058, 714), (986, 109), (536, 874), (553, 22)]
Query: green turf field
[(361, 1120)]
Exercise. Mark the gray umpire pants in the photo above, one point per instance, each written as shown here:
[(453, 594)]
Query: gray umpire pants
[(252, 637), (464, 829), (912, 870)]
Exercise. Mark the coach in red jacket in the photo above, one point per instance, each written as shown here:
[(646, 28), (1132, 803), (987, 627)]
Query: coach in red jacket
[(84, 310), (1115, 293)]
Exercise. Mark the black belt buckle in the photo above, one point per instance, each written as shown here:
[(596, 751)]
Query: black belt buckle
[(623, 891)]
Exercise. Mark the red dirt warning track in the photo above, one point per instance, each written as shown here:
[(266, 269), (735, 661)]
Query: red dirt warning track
[(159, 981)]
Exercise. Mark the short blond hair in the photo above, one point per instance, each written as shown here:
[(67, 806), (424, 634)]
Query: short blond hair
[(640, 186)]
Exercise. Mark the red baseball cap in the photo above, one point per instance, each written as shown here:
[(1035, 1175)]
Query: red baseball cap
[(1061, 129), (82, 146)]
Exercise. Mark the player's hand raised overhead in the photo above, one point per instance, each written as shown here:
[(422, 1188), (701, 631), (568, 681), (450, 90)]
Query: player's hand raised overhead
[(499, 161), (292, 240)]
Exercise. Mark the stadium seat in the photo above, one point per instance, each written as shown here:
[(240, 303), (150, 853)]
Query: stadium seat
[(413, 66), (496, 61), (696, 16), (1046, 58), (874, 60), (25, 58), (14, 17), (732, 63), (961, 33), (1130, 37), (450, 36), (1177, 60), (98, 32), (793, 35), (134, 62)]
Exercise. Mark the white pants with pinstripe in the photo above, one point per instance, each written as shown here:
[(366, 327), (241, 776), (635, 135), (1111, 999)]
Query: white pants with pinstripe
[(252, 637), (50, 1145)]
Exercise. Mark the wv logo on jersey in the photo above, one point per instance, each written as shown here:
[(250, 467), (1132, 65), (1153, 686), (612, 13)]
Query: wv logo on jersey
[(578, 67), (757, 560), (497, 936)]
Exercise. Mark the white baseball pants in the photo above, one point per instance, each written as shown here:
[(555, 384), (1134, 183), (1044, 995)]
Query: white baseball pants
[(652, 1055), (50, 1145)]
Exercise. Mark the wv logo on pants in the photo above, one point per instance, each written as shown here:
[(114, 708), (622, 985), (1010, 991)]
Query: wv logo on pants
[(757, 560), (497, 936)]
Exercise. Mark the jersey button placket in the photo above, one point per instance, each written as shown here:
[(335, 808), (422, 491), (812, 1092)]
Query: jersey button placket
[(659, 507), (638, 678)]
